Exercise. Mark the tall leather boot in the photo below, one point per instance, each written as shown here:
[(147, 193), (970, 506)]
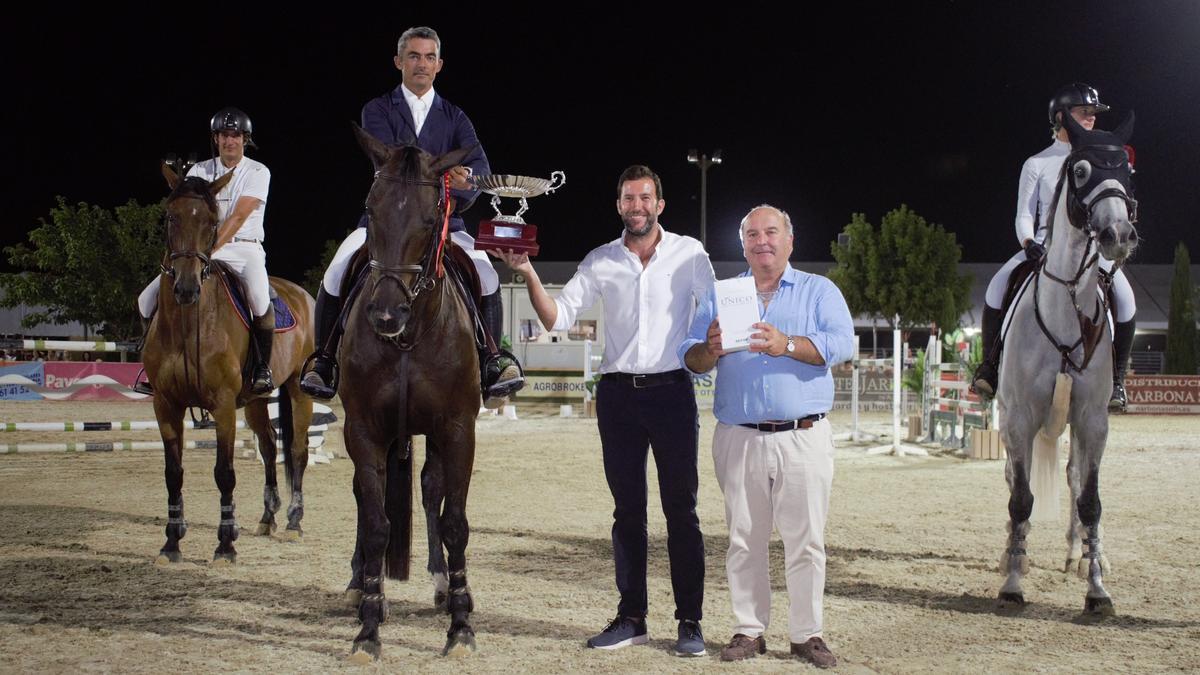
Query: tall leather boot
[(502, 375), (144, 386), (263, 334), (985, 382), (1122, 348), (321, 380)]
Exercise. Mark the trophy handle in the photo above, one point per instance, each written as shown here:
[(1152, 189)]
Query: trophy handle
[(562, 180)]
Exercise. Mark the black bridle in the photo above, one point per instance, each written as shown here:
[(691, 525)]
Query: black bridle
[(1079, 216), (204, 258), (430, 268)]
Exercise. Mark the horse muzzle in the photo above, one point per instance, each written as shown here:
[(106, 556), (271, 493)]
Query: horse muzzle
[(186, 291), (1118, 240), (388, 322)]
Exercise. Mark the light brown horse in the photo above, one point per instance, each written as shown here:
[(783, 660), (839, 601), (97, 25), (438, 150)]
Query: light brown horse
[(194, 355), (409, 366)]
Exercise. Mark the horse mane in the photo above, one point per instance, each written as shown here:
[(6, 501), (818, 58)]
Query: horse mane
[(193, 186)]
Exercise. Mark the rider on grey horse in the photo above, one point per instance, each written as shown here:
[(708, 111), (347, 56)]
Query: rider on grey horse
[(1035, 192)]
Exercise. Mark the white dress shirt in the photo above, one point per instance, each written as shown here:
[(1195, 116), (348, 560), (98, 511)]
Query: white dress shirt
[(419, 106), (647, 310)]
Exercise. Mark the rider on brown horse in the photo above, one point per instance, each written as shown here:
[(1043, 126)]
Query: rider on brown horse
[(241, 205)]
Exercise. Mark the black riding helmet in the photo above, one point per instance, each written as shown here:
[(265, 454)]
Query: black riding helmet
[(232, 119), (1072, 95)]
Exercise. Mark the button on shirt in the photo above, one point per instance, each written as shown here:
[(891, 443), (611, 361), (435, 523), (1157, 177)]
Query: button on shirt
[(250, 179), (755, 387), (646, 310)]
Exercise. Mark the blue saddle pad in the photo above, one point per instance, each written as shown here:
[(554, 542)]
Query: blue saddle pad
[(284, 319)]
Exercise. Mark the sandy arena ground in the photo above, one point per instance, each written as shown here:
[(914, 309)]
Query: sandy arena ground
[(913, 544)]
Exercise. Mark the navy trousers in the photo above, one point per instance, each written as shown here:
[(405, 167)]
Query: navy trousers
[(664, 418)]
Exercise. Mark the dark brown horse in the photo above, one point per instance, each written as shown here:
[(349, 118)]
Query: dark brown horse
[(194, 355), (409, 366)]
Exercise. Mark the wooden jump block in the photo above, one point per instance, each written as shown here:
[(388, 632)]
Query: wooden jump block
[(986, 444)]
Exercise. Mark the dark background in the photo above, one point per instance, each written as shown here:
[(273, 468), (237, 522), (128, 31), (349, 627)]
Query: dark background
[(819, 112)]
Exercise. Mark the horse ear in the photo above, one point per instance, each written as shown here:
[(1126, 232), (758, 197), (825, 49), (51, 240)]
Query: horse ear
[(1125, 130), (452, 159), (170, 175), (1074, 130), (377, 150), (220, 183)]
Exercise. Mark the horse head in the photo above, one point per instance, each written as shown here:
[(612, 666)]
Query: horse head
[(192, 219), (404, 220), (1100, 188)]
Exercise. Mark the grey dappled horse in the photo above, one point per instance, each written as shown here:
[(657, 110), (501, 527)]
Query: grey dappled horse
[(1058, 337)]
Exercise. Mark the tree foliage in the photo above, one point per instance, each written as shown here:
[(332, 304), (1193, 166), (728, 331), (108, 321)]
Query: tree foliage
[(907, 268), (314, 275), (87, 264), (1181, 322)]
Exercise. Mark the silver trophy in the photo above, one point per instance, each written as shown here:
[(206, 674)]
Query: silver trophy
[(512, 232)]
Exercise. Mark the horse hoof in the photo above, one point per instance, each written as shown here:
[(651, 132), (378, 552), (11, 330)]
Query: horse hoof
[(364, 653), (1098, 607), (460, 644), (168, 557), (352, 598), (265, 529), (1010, 601), (291, 535), (224, 559)]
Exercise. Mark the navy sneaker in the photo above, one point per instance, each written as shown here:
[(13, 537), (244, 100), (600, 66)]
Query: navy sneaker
[(622, 631), (691, 640)]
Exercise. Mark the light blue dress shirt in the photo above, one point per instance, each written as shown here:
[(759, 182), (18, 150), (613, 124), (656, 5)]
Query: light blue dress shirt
[(755, 387)]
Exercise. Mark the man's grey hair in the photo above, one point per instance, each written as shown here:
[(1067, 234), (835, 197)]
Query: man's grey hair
[(783, 215), (419, 32)]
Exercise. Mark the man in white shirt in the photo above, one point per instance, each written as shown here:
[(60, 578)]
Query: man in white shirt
[(650, 281), (241, 207)]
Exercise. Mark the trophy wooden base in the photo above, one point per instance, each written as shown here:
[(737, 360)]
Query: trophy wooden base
[(501, 236)]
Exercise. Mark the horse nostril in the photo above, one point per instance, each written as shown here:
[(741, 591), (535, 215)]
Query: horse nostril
[(1108, 236), (1133, 237)]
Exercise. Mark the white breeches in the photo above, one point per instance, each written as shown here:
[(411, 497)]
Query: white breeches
[(782, 481), (247, 260), (1122, 291), (332, 282)]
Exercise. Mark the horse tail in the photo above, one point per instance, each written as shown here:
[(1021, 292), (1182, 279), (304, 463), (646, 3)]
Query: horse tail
[(1045, 481), (398, 507), (286, 435)]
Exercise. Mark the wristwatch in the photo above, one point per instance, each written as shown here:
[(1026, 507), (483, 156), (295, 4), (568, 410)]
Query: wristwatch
[(791, 345)]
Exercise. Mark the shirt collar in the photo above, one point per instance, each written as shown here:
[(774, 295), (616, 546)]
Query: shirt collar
[(411, 98), (791, 275)]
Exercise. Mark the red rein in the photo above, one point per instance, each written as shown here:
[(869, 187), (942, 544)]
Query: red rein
[(445, 223)]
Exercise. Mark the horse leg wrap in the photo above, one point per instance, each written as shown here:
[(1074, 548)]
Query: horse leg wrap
[(1015, 553), (271, 500), (296, 510), (373, 606), (228, 530), (1093, 563), (176, 525), (460, 602)]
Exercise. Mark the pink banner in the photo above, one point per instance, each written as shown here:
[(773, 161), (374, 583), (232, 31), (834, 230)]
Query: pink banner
[(101, 381)]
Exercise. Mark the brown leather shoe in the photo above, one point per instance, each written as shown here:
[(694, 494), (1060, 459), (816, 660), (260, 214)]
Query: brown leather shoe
[(743, 647), (815, 652)]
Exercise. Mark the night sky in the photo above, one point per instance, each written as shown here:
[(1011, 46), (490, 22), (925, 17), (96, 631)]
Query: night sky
[(822, 114)]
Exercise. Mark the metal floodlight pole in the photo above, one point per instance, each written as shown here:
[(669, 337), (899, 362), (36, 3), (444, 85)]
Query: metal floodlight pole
[(704, 162)]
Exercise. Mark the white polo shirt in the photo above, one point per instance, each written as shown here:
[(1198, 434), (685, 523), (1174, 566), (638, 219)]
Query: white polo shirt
[(250, 179)]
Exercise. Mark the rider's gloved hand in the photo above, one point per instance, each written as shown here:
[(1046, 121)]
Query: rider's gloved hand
[(1034, 251)]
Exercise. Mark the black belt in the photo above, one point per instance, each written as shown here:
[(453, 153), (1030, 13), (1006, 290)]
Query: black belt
[(248, 241), (772, 427), (639, 381)]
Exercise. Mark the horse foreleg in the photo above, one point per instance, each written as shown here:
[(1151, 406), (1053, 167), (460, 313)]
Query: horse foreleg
[(372, 610), (1093, 564), (300, 409), (458, 456), (432, 495), (1074, 541), (260, 423), (227, 532), (1014, 562), (170, 427), (354, 593)]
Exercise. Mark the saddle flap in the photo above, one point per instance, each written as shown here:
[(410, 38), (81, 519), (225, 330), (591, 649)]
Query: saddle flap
[(236, 293)]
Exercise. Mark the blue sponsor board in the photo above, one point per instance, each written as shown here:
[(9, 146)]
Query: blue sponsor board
[(32, 370)]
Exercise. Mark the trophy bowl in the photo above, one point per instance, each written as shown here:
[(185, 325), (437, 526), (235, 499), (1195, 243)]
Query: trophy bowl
[(504, 232)]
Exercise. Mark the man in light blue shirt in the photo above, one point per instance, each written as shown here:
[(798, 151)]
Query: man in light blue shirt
[(773, 448)]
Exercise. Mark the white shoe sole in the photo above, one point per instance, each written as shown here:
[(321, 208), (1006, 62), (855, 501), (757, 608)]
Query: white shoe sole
[(702, 652), (635, 640)]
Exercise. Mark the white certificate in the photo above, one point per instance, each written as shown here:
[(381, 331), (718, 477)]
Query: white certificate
[(737, 310)]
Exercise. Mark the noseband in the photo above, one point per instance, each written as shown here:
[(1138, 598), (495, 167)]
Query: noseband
[(426, 278), (204, 258)]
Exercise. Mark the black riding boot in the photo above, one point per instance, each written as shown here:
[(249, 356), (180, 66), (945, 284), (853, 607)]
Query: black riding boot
[(501, 373), (321, 380), (263, 334), (988, 373), (1122, 347), (144, 386)]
